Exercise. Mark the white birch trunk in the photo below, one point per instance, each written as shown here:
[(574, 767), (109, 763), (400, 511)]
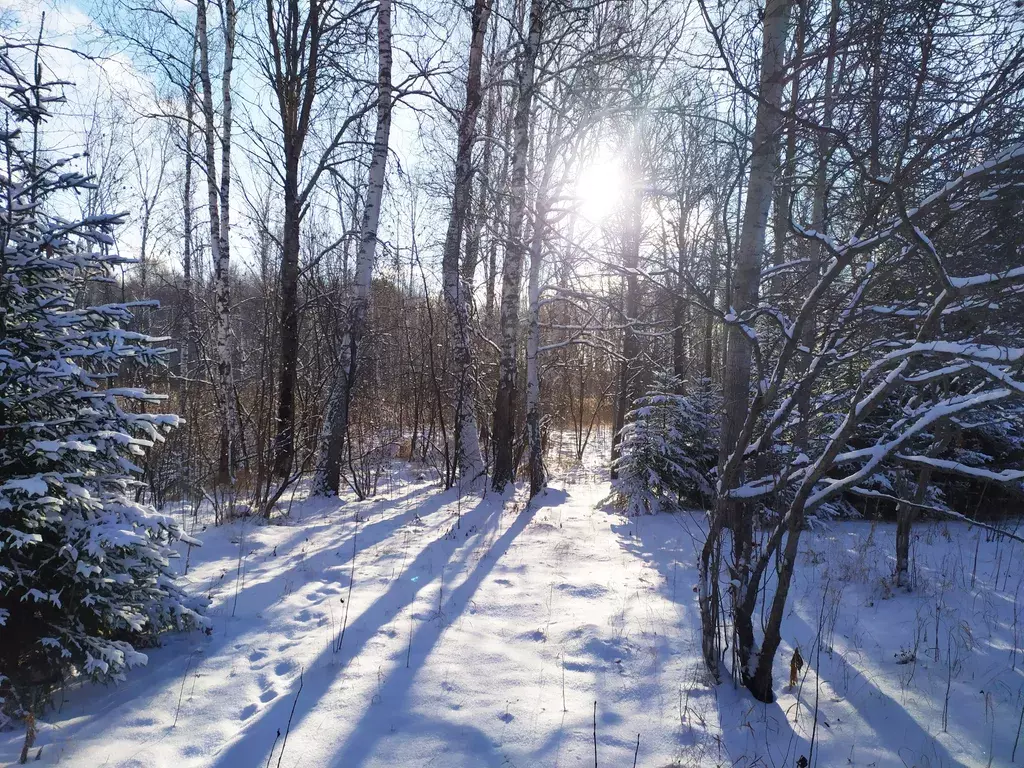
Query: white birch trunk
[(335, 427), (218, 198), (468, 456), (504, 431)]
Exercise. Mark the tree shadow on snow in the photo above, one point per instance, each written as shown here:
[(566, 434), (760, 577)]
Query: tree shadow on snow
[(755, 733), (752, 733), (147, 686), (259, 594), (879, 711), (394, 694), (253, 743)]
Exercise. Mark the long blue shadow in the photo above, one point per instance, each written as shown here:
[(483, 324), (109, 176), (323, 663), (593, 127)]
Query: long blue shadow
[(394, 695), (251, 748), (337, 553)]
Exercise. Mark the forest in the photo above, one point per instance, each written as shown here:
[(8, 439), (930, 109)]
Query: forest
[(511, 383)]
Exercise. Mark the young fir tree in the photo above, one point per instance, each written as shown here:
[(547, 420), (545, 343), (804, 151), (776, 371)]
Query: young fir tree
[(668, 447), (84, 572)]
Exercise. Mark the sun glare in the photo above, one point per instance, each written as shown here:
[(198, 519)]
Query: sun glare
[(600, 188)]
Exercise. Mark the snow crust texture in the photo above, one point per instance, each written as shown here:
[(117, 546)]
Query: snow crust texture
[(424, 629)]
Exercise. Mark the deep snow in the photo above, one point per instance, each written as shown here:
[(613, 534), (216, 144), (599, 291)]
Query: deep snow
[(425, 629)]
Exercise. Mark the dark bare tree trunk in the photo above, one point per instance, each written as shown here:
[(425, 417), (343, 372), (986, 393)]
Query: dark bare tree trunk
[(746, 278), (628, 369), (905, 513), (336, 422), (468, 456), (504, 431), (284, 442)]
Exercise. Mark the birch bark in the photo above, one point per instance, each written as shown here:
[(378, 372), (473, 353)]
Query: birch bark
[(219, 203), (737, 374), (467, 449), (504, 432), (335, 428)]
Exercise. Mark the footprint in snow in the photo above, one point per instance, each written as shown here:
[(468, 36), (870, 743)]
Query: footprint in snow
[(268, 695), (578, 666), (612, 650), (248, 711), (589, 591)]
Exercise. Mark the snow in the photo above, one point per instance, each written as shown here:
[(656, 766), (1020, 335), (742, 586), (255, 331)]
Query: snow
[(421, 628), (33, 486), (971, 351), (1007, 475)]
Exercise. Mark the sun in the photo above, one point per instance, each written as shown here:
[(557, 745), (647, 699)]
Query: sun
[(600, 189)]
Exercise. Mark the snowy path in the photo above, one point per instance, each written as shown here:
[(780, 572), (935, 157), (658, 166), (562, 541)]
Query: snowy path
[(481, 634), (463, 622)]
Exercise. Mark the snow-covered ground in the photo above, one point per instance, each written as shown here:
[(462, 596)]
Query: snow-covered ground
[(425, 629)]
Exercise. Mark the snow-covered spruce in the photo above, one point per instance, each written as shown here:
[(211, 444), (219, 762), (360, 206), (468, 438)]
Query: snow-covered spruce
[(668, 447), (84, 578)]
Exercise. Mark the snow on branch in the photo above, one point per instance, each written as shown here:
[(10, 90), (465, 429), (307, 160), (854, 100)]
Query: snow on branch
[(1006, 476)]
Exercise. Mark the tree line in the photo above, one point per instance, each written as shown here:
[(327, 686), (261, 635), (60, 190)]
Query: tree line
[(372, 228)]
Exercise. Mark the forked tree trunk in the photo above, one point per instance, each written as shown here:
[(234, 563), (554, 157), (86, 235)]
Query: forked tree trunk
[(746, 278), (758, 668), (335, 429), (504, 432), (218, 198), (468, 457)]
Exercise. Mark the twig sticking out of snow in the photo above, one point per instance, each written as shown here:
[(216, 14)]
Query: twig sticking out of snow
[(351, 581), (184, 677), (273, 747), (288, 728)]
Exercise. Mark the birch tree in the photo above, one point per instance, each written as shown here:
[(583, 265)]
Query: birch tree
[(305, 61), (467, 440), (504, 431), (218, 194), (337, 417)]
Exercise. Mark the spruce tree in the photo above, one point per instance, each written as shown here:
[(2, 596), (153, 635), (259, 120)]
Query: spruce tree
[(668, 447), (84, 567)]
